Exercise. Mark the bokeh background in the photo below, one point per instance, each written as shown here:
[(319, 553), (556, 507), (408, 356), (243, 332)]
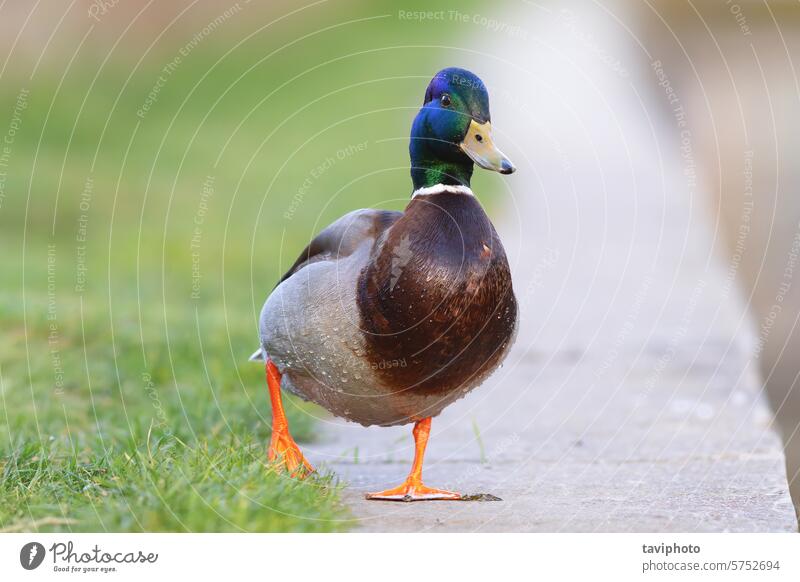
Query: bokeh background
[(162, 163)]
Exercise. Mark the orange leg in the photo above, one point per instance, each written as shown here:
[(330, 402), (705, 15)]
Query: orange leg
[(282, 449), (413, 489)]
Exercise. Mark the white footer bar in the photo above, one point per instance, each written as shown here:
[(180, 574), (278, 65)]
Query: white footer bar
[(387, 557)]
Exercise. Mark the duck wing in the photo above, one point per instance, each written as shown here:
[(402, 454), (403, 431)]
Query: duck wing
[(341, 239)]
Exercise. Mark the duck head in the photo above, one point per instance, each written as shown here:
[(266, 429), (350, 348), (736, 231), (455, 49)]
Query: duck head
[(453, 131)]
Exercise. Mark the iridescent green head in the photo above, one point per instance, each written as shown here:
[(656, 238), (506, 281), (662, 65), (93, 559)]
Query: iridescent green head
[(452, 131)]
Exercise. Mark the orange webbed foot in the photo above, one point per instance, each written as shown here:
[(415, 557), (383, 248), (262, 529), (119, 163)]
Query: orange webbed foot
[(414, 491), (286, 456)]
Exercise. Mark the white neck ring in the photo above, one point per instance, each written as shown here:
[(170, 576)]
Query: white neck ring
[(441, 188)]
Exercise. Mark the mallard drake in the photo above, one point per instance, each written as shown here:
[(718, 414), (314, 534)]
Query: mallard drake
[(388, 317)]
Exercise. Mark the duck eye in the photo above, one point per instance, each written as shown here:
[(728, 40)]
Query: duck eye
[(445, 100)]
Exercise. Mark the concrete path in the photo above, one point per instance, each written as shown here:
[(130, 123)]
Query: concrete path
[(632, 399)]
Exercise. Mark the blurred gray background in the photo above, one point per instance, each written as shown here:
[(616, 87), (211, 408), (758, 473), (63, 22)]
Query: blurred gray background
[(736, 67)]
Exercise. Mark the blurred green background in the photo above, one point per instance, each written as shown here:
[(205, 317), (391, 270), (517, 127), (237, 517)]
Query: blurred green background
[(168, 162)]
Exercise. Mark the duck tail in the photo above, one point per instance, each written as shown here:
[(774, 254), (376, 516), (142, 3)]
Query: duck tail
[(259, 356)]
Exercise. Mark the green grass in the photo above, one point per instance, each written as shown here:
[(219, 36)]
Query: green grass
[(126, 399), (174, 444), (164, 485)]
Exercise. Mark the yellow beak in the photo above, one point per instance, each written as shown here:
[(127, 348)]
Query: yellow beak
[(478, 145)]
